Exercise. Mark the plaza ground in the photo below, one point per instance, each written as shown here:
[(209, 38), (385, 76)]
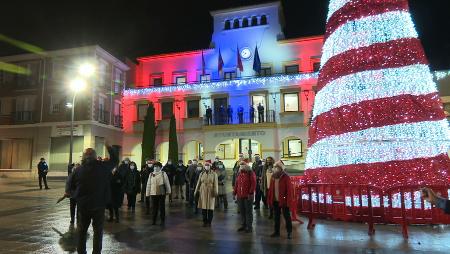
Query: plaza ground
[(31, 222)]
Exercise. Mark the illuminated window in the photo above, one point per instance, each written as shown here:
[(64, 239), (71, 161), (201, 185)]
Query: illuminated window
[(142, 111), (291, 69), (193, 109), (118, 80), (245, 22), (227, 25), (180, 80), (266, 71), (205, 78), (263, 20), (292, 147), (236, 23), (290, 102), (254, 21), (167, 109), (157, 82), (229, 75), (316, 66)]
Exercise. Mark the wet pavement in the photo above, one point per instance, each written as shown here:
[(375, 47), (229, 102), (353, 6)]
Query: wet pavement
[(31, 222)]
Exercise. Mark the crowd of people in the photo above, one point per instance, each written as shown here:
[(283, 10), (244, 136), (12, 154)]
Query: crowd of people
[(226, 115), (96, 185)]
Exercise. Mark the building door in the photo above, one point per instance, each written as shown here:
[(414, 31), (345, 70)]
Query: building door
[(249, 147), (258, 99), (15, 154), (220, 116)]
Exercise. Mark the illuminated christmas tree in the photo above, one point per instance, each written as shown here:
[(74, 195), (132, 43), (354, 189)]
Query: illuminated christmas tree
[(377, 117)]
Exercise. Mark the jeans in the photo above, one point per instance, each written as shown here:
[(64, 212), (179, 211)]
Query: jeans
[(43, 177), (159, 203), (73, 205), (97, 217), (287, 217), (245, 207), (207, 216)]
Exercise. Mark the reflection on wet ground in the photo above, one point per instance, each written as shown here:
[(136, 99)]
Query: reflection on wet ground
[(31, 222)]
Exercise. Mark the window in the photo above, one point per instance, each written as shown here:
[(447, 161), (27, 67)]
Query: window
[(193, 109), (117, 115), (103, 115), (142, 111), (292, 147), (290, 102), (245, 22), (316, 66), (179, 80), (200, 151), (263, 20), (266, 71), (227, 25), (56, 103), (205, 78), (236, 23), (291, 69), (229, 75), (118, 80), (167, 109), (31, 78), (103, 73), (254, 21), (157, 82)]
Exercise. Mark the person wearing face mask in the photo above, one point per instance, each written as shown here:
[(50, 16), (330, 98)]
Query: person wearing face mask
[(92, 185), (257, 167), (207, 190), (190, 173), (216, 161), (123, 169), (280, 198), (244, 190), (158, 186), (145, 174), (266, 177), (132, 186), (221, 177), (170, 170), (179, 180)]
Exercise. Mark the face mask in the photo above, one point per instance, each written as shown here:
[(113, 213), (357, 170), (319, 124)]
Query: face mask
[(195, 162), (132, 167), (149, 165), (217, 160), (126, 162), (180, 164), (169, 163), (199, 168), (207, 167), (220, 166), (157, 169)]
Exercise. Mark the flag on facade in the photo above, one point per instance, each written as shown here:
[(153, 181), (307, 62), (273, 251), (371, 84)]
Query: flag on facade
[(239, 61), (220, 62), (257, 62), (203, 64)]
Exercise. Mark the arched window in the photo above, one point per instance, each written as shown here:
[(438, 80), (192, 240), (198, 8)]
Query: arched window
[(227, 25), (263, 20), (245, 22), (236, 23), (254, 21)]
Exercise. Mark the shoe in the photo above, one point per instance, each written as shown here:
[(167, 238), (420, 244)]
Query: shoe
[(289, 236), (241, 229), (275, 234), (248, 230)]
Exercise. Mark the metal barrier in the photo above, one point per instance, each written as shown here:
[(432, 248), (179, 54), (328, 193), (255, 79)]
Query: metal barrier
[(401, 205)]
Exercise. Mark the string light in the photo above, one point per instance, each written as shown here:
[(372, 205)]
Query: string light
[(281, 80), (440, 75)]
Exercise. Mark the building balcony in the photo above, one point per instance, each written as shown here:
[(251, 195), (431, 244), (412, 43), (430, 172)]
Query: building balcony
[(103, 116), (244, 118), (118, 121), (23, 117)]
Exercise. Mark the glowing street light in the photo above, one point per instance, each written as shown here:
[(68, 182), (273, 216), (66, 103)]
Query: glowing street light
[(77, 85), (86, 70)]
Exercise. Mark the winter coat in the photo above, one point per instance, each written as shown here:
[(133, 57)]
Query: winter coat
[(207, 189), (267, 172), (116, 190), (170, 171), (145, 173), (235, 172), (285, 191), (154, 183), (133, 182), (190, 173), (245, 184), (180, 175), (42, 168), (222, 177), (123, 171)]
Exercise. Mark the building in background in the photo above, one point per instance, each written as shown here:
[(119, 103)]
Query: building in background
[(34, 119), (229, 74)]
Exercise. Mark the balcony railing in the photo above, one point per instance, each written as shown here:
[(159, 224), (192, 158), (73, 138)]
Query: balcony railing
[(103, 116), (219, 118), (23, 116), (118, 121)]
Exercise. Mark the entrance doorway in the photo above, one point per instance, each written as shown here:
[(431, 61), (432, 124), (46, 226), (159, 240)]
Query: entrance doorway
[(219, 112), (228, 150)]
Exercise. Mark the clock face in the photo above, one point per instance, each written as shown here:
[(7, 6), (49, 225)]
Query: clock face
[(246, 53)]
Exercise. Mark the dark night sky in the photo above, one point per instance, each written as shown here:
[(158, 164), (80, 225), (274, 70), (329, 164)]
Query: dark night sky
[(143, 27)]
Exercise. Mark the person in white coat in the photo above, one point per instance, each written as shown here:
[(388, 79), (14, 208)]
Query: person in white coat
[(158, 187), (207, 190)]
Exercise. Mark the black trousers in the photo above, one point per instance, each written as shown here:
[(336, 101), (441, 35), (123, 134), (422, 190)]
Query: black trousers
[(113, 212), (143, 188), (207, 216), (277, 217), (159, 203), (43, 177), (187, 191), (259, 196), (73, 206), (97, 217), (222, 199), (246, 210), (261, 117), (147, 204), (131, 200)]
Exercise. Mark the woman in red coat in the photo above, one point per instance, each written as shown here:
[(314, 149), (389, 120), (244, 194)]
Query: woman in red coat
[(280, 198)]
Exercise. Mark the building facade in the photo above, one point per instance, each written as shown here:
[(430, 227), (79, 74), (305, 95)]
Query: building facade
[(186, 84), (35, 119)]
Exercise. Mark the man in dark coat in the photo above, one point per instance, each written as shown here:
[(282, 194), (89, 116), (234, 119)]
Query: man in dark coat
[(170, 169), (222, 114), (92, 181), (252, 114), (132, 186), (42, 173), (123, 169), (260, 113), (230, 114), (145, 173), (180, 179), (190, 172), (116, 196), (241, 114), (209, 115), (257, 167)]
